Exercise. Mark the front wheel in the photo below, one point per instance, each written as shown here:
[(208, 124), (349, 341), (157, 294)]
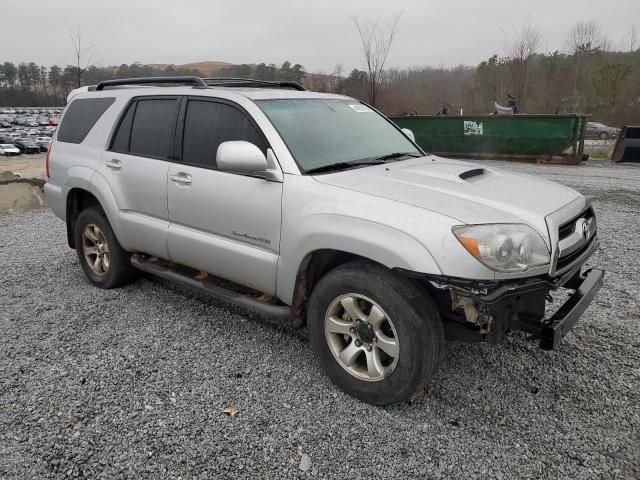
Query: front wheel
[(604, 136), (376, 334), (104, 262)]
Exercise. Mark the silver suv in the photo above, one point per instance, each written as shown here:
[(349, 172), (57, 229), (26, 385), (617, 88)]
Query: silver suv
[(316, 208)]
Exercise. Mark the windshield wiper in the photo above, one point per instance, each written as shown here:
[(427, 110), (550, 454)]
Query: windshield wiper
[(365, 161), (344, 165), (397, 155)]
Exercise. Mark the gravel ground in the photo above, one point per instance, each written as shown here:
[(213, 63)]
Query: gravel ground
[(132, 383)]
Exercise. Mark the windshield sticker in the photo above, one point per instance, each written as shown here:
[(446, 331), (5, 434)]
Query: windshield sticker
[(361, 108), (473, 128)]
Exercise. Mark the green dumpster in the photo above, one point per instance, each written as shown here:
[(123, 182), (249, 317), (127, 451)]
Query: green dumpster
[(543, 138)]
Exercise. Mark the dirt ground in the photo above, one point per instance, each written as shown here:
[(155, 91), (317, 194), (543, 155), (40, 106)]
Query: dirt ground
[(25, 192), (27, 166)]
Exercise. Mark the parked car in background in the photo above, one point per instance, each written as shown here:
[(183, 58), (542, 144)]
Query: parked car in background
[(601, 131), (43, 143), (26, 145), (8, 149)]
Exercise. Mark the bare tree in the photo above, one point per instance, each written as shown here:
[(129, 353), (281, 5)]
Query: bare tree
[(82, 57), (376, 39), (584, 41), (586, 37), (519, 49), (631, 42), (336, 77)]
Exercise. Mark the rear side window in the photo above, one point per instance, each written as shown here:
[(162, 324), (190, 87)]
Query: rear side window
[(80, 117), (207, 124), (153, 128), (120, 141), (147, 128)]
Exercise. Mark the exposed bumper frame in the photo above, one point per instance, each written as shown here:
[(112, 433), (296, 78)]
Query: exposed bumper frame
[(568, 314)]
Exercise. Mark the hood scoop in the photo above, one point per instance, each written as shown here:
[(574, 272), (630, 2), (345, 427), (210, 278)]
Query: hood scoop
[(475, 172)]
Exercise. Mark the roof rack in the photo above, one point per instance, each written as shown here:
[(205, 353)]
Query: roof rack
[(199, 82), (250, 82), (195, 81)]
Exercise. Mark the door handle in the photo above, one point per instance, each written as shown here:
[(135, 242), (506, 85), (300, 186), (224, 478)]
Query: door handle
[(182, 178), (114, 164)]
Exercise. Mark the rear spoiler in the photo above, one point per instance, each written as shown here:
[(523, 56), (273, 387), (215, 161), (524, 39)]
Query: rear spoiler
[(74, 92)]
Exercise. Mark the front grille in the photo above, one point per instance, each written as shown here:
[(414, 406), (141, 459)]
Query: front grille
[(567, 260), (569, 227)]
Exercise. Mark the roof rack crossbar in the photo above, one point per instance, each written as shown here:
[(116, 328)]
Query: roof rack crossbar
[(187, 80), (248, 82)]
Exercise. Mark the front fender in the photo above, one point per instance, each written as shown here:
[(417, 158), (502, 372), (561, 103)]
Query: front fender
[(377, 242)]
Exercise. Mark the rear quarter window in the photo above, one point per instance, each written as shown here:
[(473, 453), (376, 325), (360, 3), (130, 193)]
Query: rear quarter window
[(80, 117)]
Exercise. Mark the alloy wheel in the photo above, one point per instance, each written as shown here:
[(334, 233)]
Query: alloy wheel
[(95, 249), (362, 337)]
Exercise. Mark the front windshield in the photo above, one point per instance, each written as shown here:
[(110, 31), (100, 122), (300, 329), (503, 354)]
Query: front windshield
[(322, 132)]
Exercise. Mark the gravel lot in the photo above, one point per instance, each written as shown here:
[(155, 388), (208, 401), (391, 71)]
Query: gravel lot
[(132, 383)]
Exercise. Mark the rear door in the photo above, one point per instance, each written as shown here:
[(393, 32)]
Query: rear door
[(136, 167), (224, 223)]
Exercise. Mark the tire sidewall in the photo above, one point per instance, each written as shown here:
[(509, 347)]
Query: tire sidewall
[(418, 340)]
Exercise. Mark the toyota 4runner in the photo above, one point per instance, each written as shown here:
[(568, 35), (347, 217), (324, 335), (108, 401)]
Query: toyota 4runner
[(316, 208)]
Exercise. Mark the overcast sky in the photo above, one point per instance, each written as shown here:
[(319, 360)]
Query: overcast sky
[(317, 34)]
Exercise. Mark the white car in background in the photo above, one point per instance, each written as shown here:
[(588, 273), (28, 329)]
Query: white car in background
[(7, 149)]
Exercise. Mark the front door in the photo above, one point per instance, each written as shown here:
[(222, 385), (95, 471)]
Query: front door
[(223, 223)]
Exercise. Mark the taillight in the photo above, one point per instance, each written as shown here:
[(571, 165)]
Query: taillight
[(46, 161)]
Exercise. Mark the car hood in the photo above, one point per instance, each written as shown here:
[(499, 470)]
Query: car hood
[(467, 192)]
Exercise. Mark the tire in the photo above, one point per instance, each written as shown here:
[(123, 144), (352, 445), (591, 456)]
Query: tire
[(603, 136), (369, 371), (93, 232)]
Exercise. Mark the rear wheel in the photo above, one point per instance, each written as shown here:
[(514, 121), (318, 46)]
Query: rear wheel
[(104, 262), (376, 334), (604, 136)]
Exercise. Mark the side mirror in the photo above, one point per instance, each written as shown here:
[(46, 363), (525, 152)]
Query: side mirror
[(409, 134), (241, 157)]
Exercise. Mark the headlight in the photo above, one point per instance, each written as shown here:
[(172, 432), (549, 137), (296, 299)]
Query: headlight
[(504, 247)]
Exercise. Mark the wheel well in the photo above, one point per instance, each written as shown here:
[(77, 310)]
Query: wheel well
[(312, 268), (77, 201)]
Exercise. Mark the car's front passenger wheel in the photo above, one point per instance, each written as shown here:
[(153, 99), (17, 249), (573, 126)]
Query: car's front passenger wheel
[(104, 262), (376, 334)]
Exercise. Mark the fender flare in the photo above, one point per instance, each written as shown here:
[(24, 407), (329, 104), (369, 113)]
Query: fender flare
[(100, 189), (377, 242)]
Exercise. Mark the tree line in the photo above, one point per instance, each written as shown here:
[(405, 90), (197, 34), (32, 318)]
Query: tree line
[(590, 75), (263, 71), (29, 84)]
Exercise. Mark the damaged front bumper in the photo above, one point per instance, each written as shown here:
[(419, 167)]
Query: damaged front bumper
[(568, 314), (487, 311)]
